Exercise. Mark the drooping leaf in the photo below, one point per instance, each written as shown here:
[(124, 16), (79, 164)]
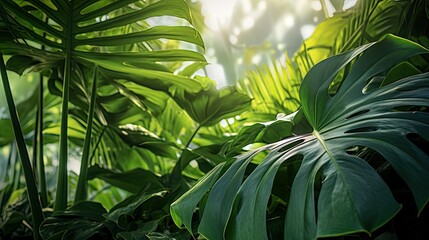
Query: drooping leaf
[(209, 106), (139, 137), (130, 205), (267, 132), (127, 180), (191, 69)]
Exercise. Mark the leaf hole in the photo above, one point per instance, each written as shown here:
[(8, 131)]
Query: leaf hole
[(363, 129), (337, 81), (358, 113), (371, 156), (373, 84), (412, 109), (290, 145), (283, 181), (259, 157), (405, 89), (419, 141)]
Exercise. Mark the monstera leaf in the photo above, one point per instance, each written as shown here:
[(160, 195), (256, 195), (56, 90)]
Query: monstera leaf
[(73, 36), (334, 192), (207, 107), (81, 43)]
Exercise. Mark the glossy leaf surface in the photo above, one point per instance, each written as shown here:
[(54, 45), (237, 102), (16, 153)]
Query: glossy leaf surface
[(334, 192)]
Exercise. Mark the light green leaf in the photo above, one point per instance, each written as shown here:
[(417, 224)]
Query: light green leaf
[(191, 69), (186, 34), (162, 8), (209, 106), (267, 132), (136, 57)]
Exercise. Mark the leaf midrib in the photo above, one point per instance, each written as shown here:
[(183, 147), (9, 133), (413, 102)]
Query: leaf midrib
[(334, 161)]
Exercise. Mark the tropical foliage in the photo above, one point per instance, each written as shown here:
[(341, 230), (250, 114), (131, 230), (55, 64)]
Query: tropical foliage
[(335, 191), (331, 142)]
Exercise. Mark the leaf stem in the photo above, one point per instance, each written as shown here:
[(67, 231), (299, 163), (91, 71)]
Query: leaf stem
[(33, 197), (81, 191), (178, 168), (62, 184), (39, 139), (96, 144), (192, 137)]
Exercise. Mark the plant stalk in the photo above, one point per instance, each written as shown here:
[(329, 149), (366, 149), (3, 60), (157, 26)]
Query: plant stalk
[(82, 185), (62, 184), (178, 168), (35, 147), (96, 145), (40, 164), (33, 198)]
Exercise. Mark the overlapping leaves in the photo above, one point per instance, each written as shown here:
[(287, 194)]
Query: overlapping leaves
[(335, 192), (86, 220), (112, 35)]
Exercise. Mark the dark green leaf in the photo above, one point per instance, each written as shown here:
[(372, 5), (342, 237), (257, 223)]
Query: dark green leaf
[(20, 63), (131, 205), (81, 221), (127, 180), (334, 192), (84, 209), (142, 230), (400, 71), (69, 228), (139, 137), (182, 211)]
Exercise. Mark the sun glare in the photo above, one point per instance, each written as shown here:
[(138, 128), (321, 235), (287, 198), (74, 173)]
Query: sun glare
[(217, 12), (253, 31)]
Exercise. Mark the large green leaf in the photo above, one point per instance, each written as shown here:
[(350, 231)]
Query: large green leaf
[(106, 33), (71, 38), (335, 192), (111, 35), (208, 106), (181, 211)]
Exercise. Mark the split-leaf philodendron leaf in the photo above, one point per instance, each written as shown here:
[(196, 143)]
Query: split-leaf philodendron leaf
[(352, 197), (107, 34)]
